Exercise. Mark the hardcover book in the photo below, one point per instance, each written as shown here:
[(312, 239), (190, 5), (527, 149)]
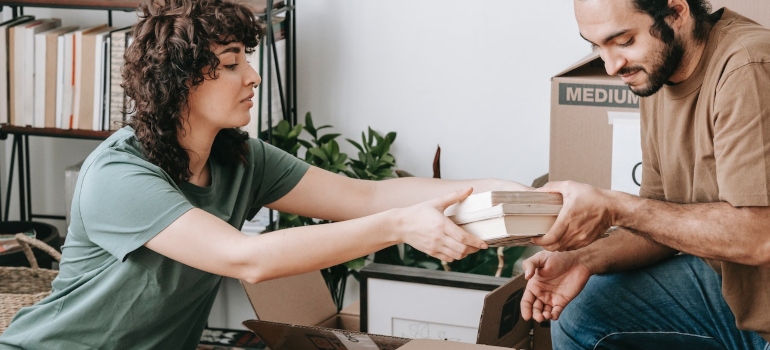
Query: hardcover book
[(506, 218)]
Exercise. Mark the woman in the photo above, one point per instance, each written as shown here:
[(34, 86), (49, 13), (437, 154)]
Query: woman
[(158, 206)]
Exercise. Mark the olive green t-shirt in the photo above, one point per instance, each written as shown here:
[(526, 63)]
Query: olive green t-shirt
[(707, 139), (114, 293)]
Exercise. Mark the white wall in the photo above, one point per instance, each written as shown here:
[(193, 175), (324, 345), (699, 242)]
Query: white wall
[(470, 76)]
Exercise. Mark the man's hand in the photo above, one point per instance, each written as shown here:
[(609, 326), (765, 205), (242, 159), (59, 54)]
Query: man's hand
[(554, 279), (585, 216)]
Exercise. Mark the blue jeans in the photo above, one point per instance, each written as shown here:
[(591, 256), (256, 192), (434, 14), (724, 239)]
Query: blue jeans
[(676, 304)]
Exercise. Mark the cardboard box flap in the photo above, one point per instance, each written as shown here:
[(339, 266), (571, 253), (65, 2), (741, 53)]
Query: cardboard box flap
[(501, 323), (354, 309), (433, 344), (301, 299), (282, 337), (590, 65)]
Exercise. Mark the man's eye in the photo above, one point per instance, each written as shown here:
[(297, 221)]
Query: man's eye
[(627, 43)]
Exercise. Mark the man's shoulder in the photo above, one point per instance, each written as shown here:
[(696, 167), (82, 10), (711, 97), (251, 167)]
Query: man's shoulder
[(743, 41)]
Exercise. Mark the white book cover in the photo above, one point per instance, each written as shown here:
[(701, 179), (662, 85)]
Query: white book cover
[(38, 119), (60, 73), (104, 115), (59, 79), (18, 67), (4, 77), (69, 81), (99, 76), (28, 77)]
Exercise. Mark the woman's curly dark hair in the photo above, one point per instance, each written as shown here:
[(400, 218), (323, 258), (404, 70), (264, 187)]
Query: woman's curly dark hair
[(171, 47)]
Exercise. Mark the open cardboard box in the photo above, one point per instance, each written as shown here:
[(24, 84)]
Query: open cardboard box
[(298, 313)]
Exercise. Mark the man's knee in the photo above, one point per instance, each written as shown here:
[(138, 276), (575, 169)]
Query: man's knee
[(584, 320)]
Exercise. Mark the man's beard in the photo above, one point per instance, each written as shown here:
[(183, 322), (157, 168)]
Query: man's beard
[(663, 67)]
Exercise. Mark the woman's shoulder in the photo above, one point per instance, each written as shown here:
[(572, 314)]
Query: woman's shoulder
[(120, 148)]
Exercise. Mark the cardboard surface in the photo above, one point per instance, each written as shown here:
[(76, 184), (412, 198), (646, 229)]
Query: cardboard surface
[(432, 344), (581, 134), (297, 313), (281, 336), (541, 336), (301, 299), (501, 322)]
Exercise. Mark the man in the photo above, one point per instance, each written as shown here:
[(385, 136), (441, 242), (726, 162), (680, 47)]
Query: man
[(705, 127)]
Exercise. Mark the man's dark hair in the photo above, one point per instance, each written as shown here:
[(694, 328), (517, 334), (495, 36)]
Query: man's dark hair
[(171, 48), (659, 10)]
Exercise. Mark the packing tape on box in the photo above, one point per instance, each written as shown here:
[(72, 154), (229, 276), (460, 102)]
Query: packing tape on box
[(356, 341)]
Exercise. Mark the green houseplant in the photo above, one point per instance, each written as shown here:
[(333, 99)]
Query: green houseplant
[(374, 162)]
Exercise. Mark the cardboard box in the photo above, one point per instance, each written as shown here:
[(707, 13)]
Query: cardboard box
[(298, 313), (419, 303), (595, 119), (585, 101)]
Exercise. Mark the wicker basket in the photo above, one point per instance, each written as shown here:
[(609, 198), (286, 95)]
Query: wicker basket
[(24, 286)]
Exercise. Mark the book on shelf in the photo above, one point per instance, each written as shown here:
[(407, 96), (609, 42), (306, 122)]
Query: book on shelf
[(64, 96), (506, 218), (101, 74), (25, 75), (17, 47), (47, 67), (85, 62), (116, 99), (5, 55), (53, 105)]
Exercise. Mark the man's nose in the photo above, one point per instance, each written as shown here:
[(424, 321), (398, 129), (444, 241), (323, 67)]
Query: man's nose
[(613, 63)]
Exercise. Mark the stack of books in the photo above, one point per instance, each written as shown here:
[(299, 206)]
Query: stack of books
[(506, 218)]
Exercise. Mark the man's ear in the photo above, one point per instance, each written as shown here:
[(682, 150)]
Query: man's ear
[(680, 15)]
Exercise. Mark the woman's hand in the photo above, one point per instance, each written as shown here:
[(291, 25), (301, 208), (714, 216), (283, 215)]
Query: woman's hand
[(425, 227)]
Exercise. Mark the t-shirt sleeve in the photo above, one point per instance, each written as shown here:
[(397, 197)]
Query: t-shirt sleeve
[(124, 201), (742, 136), (651, 184), (277, 173)]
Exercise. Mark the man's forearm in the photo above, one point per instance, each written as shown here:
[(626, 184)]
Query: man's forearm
[(621, 251), (711, 230)]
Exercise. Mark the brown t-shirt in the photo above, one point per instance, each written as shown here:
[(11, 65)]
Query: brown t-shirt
[(707, 139)]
